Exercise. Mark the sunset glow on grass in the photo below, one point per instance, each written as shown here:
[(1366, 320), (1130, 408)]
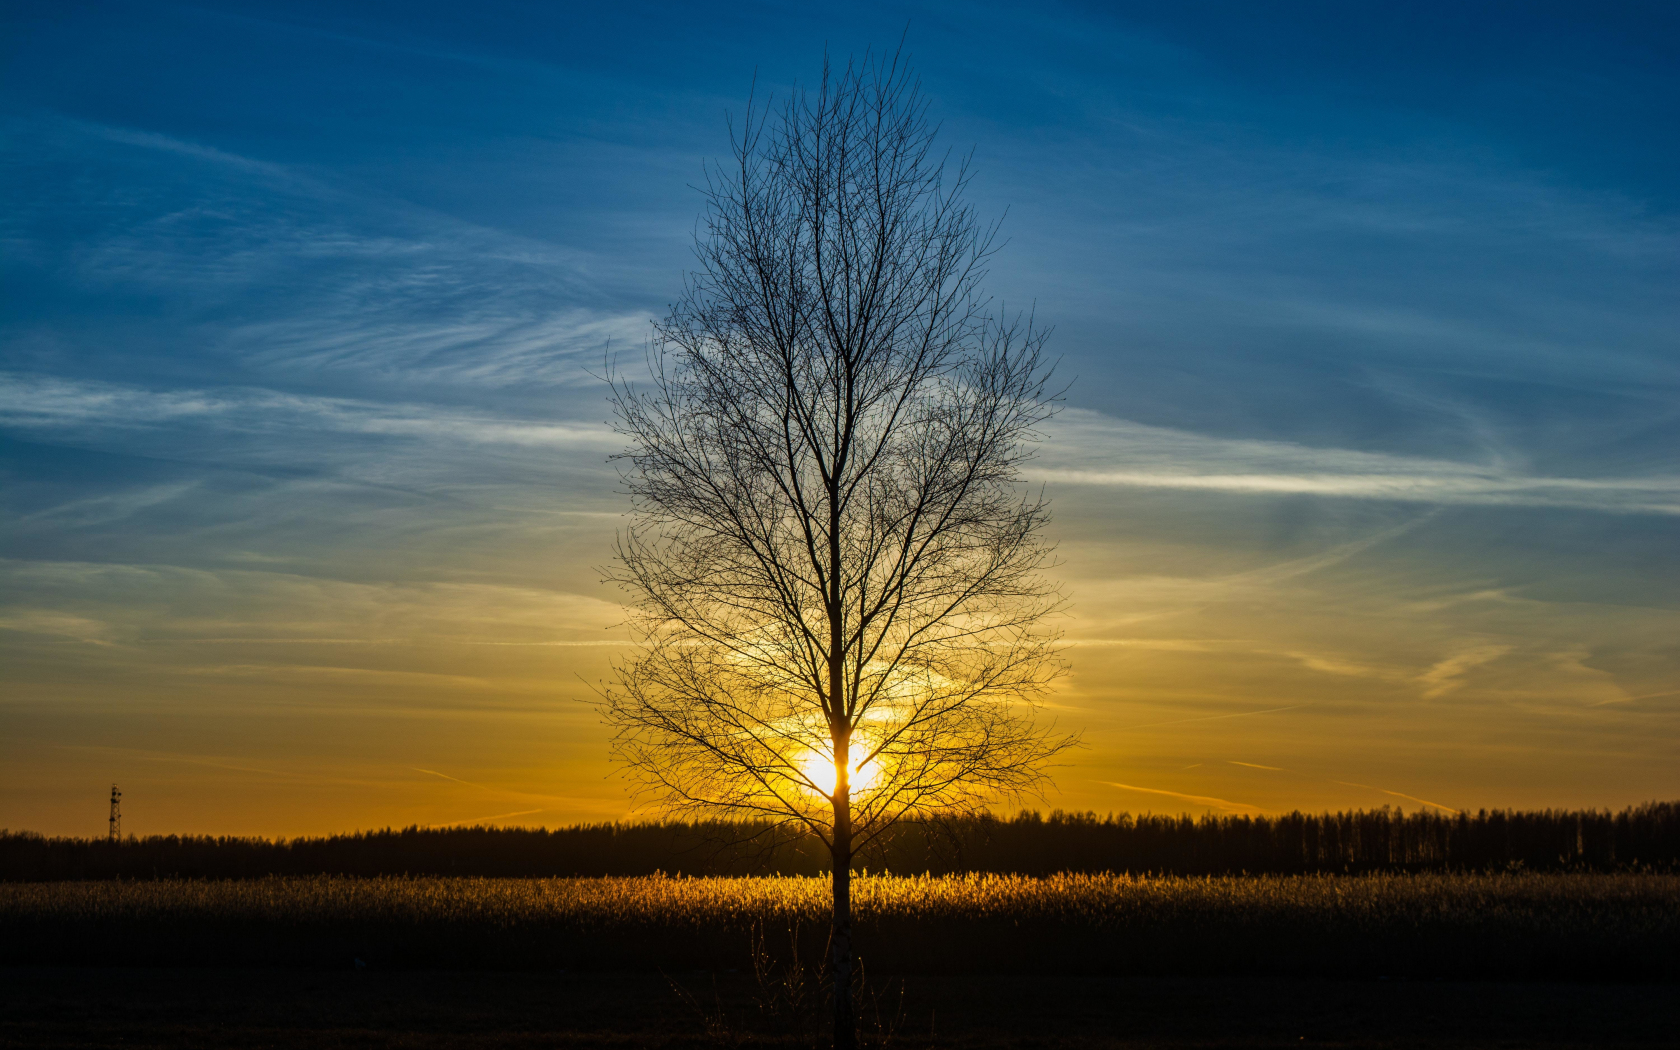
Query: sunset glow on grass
[(1395, 923)]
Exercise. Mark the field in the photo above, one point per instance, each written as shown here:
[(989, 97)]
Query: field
[(1424, 926), (1072, 961), (209, 1009)]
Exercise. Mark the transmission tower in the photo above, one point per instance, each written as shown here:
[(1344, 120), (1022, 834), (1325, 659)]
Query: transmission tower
[(116, 814)]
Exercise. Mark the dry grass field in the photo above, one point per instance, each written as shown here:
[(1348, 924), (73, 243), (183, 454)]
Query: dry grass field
[(1424, 926), (1073, 961)]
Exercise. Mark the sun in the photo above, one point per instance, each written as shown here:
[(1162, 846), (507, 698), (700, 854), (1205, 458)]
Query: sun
[(819, 769)]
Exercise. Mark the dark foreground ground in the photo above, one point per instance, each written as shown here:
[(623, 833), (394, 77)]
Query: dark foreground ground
[(197, 1008)]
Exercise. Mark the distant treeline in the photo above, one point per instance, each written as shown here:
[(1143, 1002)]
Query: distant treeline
[(1646, 836)]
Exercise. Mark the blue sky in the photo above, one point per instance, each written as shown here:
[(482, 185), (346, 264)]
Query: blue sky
[(1370, 314)]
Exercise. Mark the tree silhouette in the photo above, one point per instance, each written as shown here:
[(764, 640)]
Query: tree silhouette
[(835, 568)]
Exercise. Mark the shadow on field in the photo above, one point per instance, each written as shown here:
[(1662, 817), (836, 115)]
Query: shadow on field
[(198, 1009)]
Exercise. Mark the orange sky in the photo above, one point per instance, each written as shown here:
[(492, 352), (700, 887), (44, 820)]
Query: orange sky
[(1322, 675)]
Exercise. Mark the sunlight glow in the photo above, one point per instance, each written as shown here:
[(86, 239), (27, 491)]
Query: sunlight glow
[(819, 769)]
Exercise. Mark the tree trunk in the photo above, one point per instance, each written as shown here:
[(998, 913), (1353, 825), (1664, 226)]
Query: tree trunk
[(840, 730), (845, 1024)]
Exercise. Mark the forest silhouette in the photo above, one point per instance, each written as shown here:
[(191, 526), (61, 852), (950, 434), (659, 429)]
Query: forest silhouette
[(1029, 843)]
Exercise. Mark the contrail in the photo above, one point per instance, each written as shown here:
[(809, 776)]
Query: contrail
[(498, 791), (476, 820), (1256, 765), (1396, 794), (457, 780), (1204, 800), (1631, 699)]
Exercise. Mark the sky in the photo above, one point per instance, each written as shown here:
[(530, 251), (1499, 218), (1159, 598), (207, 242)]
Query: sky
[(1365, 486)]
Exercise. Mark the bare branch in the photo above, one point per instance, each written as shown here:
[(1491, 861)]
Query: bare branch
[(835, 568)]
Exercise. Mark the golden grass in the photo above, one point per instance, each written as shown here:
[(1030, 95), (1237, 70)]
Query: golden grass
[(738, 902), (902, 922)]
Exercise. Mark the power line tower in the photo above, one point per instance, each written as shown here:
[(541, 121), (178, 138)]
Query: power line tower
[(116, 814)]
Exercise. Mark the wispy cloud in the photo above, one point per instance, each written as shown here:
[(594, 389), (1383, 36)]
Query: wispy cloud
[(231, 608), (105, 509), (293, 275), (1337, 666), (1211, 718), (58, 624), (51, 403), (1448, 674), (1090, 449)]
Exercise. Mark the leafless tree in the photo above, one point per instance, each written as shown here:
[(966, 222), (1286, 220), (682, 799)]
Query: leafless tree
[(835, 566)]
